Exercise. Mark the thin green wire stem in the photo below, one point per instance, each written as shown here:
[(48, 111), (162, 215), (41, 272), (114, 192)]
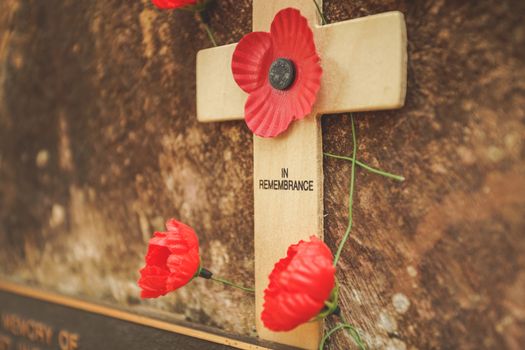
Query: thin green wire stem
[(330, 304), (323, 18), (351, 196), (210, 34), (231, 284), (367, 167), (199, 8), (354, 333), (351, 330)]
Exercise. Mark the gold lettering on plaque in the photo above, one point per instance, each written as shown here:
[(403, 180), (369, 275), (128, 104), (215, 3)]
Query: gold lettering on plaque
[(67, 340), (27, 328)]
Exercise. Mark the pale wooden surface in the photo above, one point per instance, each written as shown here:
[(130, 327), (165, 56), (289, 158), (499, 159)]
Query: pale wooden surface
[(283, 218), (219, 98), (364, 64), (364, 68)]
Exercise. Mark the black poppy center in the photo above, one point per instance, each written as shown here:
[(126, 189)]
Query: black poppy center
[(282, 73)]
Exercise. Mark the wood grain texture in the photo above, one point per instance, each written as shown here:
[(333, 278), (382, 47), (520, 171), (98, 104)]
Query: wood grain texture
[(102, 93)]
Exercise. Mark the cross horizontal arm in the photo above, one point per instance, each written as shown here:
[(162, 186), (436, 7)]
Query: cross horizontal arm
[(364, 69), (219, 98), (364, 64)]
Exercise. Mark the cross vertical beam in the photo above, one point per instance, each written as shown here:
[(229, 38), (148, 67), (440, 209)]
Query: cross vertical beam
[(284, 217)]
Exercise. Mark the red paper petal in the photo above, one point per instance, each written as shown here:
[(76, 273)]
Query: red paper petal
[(291, 35), (299, 286), (268, 111), (157, 254), (251, 61), (287, 311), (293, 39), (172, 4), (153, 281), (180, 231), (182, 268), (172, 260)]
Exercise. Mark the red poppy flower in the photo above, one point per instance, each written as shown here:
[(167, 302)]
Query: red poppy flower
[(172, 260), (172, 4), (281, 72), (299, 285)]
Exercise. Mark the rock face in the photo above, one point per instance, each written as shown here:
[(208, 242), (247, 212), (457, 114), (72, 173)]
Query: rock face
[(99, 144)]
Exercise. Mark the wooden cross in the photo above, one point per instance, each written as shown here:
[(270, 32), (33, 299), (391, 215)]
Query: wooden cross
[(364, 69)]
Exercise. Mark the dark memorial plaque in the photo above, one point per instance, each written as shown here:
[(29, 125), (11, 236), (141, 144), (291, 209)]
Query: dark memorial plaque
[(31, 319)]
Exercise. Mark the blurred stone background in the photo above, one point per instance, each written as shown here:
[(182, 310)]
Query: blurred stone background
[(99, 144)]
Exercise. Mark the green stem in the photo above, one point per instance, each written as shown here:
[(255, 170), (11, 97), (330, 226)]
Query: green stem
[(210, 34), (323, 19), (351, 330), (199, 8), (351, 196), (367, 167), (231, 284), (354, 333), (330, 304)]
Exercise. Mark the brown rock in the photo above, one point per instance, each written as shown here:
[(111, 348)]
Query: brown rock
[(107, 89)]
